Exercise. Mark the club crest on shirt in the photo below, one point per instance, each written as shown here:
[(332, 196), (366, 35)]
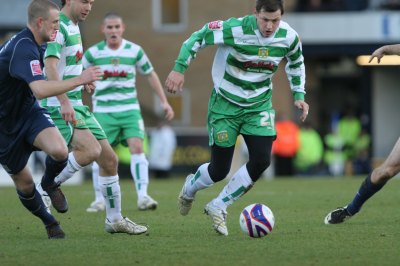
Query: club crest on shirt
[(36, 68), (115, 61), (263, 52), (215, 25)]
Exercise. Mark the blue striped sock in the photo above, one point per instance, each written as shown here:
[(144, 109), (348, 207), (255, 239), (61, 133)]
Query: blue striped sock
[(35, 205), (366, 190)]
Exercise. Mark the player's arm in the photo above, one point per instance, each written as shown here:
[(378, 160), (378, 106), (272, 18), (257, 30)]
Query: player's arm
[(295, 70), (155, 84), (88, 91), (87, 99), (210, 34), (43, 88), (67, 111), (393, 49)]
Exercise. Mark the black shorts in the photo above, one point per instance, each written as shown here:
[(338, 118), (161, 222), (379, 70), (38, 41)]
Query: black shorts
[(16, 149)]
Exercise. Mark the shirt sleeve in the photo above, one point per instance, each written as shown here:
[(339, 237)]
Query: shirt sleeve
[(210, 34), (26, 63), (54, 47), (87, 59), (295, 69), (143, 64)]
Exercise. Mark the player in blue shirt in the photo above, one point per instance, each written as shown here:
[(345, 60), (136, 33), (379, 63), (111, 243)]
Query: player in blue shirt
[(24, 125)]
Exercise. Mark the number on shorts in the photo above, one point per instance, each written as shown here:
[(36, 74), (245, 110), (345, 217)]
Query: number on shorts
[(267, 119)]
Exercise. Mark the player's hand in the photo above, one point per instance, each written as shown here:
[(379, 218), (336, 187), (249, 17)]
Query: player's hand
[(90, 87), (168, 111), (68, 113), (174, 82), (91, 74), (302, 105), (378, 53)]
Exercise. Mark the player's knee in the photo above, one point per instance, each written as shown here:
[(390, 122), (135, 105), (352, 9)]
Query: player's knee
[(59, 152), (93, 152), (256, 166), (109, 161), (218, 172)]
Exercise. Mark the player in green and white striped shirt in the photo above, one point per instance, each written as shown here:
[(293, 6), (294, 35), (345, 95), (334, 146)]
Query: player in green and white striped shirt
[(249, 51), (115, 102), (77, 124)]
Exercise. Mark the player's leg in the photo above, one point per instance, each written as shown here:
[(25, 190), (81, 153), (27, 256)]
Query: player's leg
[(98, 204), (47, 138), (109, 184), (140, 173), (130, 128), (371, 185), (32, 201), (85, 149), (259, 159), (256, 126), (243, 179)]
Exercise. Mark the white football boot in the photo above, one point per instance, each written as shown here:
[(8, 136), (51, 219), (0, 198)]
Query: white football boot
[(96, 206), (185, 203), (125, 226), (147, 203), (218, 216)]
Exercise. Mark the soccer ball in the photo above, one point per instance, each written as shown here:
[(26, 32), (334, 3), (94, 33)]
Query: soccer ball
[(257, 220)]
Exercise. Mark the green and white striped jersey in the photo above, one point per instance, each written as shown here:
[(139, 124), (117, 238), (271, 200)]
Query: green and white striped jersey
[(116, 92), (245, 61), (67, 47)]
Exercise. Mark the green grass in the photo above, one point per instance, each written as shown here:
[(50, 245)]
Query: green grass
[(299, 238)]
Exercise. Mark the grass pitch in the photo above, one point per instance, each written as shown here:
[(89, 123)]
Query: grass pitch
[(300, 237)]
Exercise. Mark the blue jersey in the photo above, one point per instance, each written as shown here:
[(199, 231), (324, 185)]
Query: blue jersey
[(21, 117), (21, 62)]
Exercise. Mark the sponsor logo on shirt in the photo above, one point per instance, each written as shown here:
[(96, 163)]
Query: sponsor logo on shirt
[(258, 64), (215, 25), (107, 74), (36, 68)]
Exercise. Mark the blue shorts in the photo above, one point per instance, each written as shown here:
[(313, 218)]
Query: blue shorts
[(16, 149)]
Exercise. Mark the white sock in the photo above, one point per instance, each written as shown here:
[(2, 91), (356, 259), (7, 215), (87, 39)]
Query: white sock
[(69, 170), (111, 190), (239, 184), (140, 173), (199, 181), (95, 178)]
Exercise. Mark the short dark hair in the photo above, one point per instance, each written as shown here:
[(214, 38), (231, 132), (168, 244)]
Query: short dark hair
[(269, 6), (40, 8), (112, 15)]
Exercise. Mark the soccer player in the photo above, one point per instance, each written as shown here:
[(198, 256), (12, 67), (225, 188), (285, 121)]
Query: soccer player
[(80, 129), (24, 125), (249, 51), (116, 106), (380, 175)]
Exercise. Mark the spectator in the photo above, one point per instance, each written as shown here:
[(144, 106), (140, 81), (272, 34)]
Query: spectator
[(162, 147), (310, 152), (285, 146), (349, 128), (361, 162), (334, 157)]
